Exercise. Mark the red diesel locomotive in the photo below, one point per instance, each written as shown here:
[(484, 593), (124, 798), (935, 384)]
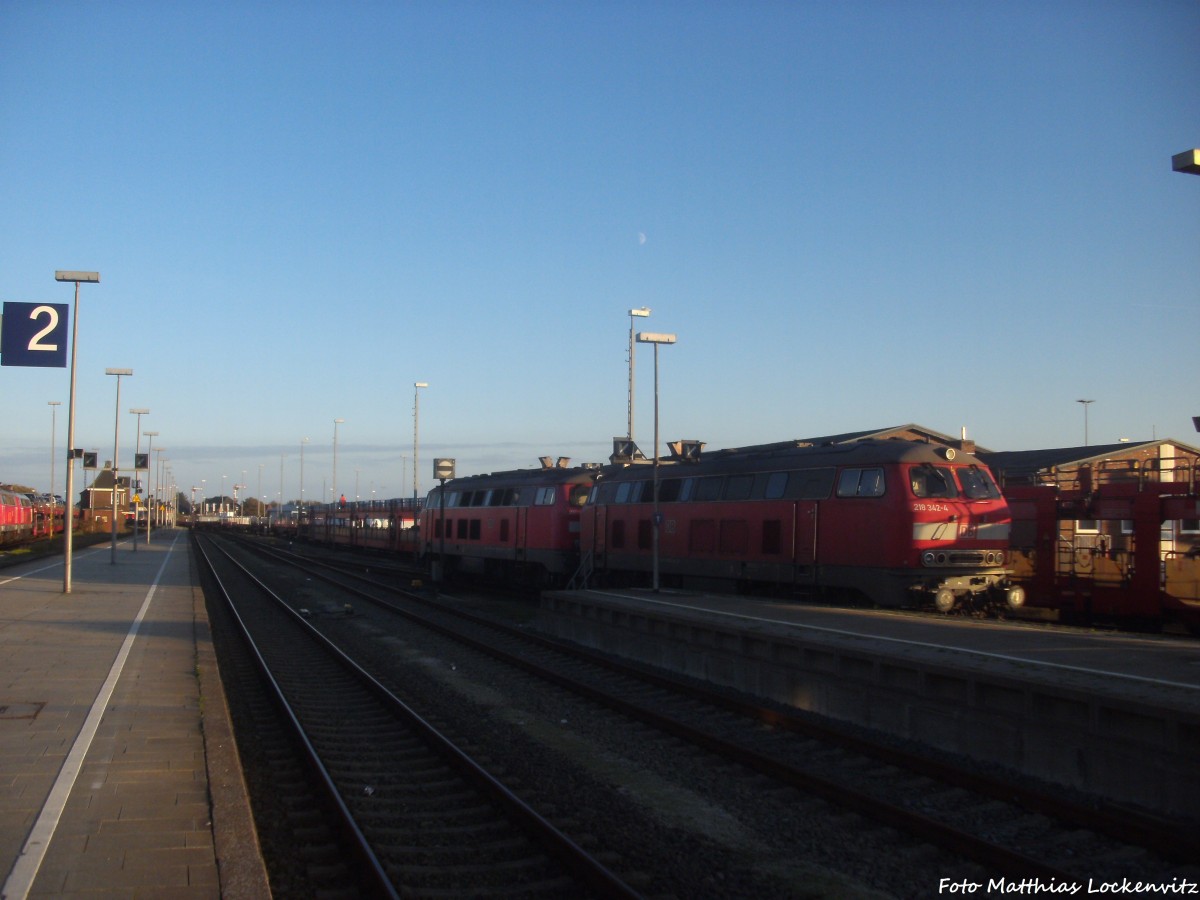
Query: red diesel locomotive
[(902, 523), (519, 527), (17, 519)]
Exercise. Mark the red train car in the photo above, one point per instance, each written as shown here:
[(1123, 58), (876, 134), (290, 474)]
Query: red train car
[(520, 526), (901, 523), (16, 517)]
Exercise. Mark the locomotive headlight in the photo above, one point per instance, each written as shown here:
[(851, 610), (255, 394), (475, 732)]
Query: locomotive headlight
[(1015, 597), (928, 558)]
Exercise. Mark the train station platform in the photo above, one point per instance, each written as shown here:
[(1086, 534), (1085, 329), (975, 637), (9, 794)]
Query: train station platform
[(1115, 715), (119, 774)]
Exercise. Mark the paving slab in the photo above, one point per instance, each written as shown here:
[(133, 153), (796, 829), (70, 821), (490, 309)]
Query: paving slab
[(118, 771)]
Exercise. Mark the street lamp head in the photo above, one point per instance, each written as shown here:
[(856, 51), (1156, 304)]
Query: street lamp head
[(78, 277), (118, 371), (651, 337), (1188, 161), (339, 421), (641, 313), (420, 384), (149, 434), (139, 412)]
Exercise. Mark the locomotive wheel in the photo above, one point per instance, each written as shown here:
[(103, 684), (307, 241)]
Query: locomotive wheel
[(944, 600)]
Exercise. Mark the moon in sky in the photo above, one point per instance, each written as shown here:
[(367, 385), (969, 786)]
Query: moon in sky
[(641, 237)]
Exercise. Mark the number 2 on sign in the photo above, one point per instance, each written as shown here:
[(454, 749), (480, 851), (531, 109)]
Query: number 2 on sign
[(35, 342)]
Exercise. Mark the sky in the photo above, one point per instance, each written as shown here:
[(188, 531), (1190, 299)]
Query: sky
[(852, 215)]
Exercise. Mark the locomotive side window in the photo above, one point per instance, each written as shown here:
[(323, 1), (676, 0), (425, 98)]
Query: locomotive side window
[(579, 495), (709, 488), (775, 486), (738, 487), (932, 481), (605, 492), (668, 490), (544, 497), (977, 483), (685, 491), (810, 484), (501, 497), (860, 483)]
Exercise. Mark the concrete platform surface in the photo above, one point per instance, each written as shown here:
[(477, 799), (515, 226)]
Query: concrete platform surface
[(119, 775)]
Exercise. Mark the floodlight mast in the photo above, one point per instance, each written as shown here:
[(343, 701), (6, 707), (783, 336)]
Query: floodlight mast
[(650, 337), (115, 467), (69, 500), (639, 313)]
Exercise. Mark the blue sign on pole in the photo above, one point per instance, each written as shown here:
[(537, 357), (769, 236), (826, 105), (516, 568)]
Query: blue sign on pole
[(34, 334)]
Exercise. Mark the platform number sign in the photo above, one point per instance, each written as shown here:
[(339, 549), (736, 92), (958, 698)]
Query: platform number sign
[(34, 334)]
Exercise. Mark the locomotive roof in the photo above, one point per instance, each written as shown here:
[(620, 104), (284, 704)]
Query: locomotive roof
[(793, 455), (535, 477)]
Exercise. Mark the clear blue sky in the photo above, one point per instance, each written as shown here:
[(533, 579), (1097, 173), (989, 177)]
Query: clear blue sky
[(853, 215)]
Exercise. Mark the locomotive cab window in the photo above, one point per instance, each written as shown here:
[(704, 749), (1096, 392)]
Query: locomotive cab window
[(544, 497), (932, 481), (579, 495), (861, 483)]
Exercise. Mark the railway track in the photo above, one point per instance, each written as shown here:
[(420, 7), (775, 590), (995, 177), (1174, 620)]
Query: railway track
[(970, 817), (414, 812)]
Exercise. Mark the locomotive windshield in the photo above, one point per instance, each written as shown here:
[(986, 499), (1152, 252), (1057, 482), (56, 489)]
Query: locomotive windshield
[(977, 484)]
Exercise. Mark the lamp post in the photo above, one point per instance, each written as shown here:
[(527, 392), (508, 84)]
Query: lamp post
[(151, 493), (136, 453), (302, 443), (116, 446), (54, 405), (162, 480), (641, 313), (443, 469), (69, 499), (417, 385), (336, 423), (1086, 404), (647, 337)]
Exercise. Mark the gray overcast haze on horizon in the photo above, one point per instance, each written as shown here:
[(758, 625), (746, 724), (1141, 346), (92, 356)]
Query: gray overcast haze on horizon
[(853, 215)]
